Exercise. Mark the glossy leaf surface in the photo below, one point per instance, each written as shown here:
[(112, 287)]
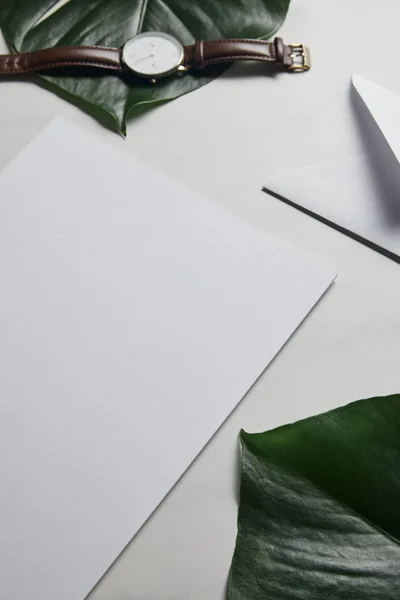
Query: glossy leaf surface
[(319, 515)]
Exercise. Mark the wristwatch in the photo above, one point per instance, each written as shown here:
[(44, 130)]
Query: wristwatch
[(154, 55)]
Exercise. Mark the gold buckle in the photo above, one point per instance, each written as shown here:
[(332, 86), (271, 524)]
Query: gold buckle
[(301, 53)]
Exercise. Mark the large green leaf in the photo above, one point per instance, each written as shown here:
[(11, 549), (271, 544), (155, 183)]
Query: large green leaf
[(319, 515), (111, 22)]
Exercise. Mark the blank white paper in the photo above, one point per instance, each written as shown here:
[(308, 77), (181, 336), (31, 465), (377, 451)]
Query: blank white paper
[(134, 316), (345, 170)]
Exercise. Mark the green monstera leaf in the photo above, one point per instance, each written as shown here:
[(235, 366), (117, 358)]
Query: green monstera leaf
[(319, 515), (33, 24)]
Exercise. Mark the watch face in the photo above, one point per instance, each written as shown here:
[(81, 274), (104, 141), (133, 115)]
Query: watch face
[(153, 54)]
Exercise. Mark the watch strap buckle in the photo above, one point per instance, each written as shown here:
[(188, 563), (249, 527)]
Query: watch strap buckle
[(300, 58)]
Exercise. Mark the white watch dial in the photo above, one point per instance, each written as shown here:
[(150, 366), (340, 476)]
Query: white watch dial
[(152, 54)]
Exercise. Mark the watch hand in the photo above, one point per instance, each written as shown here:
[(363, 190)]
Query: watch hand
[(144, 57)]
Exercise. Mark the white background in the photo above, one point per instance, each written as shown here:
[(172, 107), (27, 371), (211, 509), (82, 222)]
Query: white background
[(225, 141)]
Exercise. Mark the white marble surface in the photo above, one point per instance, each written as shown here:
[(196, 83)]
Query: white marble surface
[(225, 140)]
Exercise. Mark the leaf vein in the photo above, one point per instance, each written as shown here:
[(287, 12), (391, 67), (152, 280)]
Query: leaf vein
[(341, 502)]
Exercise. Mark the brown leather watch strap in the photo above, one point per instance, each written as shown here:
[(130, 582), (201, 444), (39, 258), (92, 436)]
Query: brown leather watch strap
[(294, 57), (202, 53), (53, 58)]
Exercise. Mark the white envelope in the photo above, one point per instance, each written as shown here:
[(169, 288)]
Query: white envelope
[(346, 172)]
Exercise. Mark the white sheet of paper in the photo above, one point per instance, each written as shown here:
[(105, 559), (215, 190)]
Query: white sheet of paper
[(134, 315), (346, 168)]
